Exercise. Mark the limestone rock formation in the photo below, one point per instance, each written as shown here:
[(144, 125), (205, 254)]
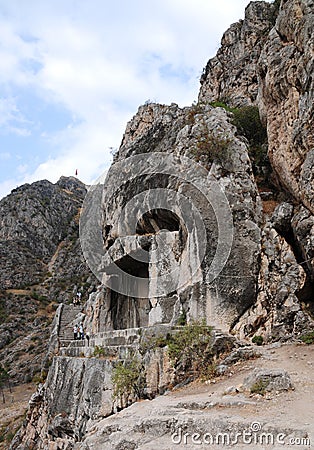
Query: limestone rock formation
[(279, 37), (231, 76), (285, 99), (303, 229), (279, 312), (173, 132)]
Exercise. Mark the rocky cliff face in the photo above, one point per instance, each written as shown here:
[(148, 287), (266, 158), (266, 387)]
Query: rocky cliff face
[(167, 253), (231, 76), (286, 90), (270, 53), (176, 134)]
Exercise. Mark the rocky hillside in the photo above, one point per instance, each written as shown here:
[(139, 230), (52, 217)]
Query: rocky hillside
[(41, 266), (250, 196)]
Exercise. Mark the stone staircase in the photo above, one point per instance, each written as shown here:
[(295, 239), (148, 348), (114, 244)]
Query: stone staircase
[(117, 344), (68, 315), (122, 344)]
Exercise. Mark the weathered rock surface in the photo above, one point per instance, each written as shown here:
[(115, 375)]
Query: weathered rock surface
[(42, 213), (163, 422), (286, 94), (231, 76), (303, 230), (79, 390), (268, 380), (171, 130), (239, 354), (278, 312), (271, 52)]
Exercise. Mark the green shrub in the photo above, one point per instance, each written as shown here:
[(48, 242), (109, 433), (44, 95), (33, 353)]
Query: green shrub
[(128, 380), (153, 342), (308, 338), (190, 350), (221, 104), (39, 377), (10, 436), (258, 340), (44, 375), (44, 299), (4, 376), (189, 342), (210, 147), (99, 351), (35, 295), (248, 123), (259, 387), (182, 318)]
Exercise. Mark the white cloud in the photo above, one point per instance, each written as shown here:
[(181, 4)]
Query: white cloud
[(11, 119), (7, 186), (85, 149), (99, 60)]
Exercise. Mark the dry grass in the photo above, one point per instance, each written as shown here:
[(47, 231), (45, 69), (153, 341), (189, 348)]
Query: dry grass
[(19, 291), (12, 412), (269, 206)]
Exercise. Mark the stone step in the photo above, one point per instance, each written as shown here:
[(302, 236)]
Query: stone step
[(110, 352), (68, 315), (128, 336)]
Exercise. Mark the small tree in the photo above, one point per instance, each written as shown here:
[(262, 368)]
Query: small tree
[(128, 380), (211, 147), (248, 123)]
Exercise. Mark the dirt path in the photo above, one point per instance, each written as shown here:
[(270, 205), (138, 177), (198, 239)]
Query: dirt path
[(201, 408)]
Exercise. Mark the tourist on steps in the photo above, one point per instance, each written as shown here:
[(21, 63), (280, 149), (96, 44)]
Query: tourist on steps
[(87, 337), (81, 331), (78, 298), (75, 331)]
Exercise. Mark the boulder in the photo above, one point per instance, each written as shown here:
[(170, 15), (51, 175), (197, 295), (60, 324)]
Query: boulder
[(268, 380)]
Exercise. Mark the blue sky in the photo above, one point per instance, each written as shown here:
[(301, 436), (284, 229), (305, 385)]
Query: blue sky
[(72, 73)]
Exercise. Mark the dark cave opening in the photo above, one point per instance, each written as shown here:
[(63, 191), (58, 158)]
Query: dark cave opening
[(306, 296), (133, 266), (157, 219), (127, 311), (132, 311)]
